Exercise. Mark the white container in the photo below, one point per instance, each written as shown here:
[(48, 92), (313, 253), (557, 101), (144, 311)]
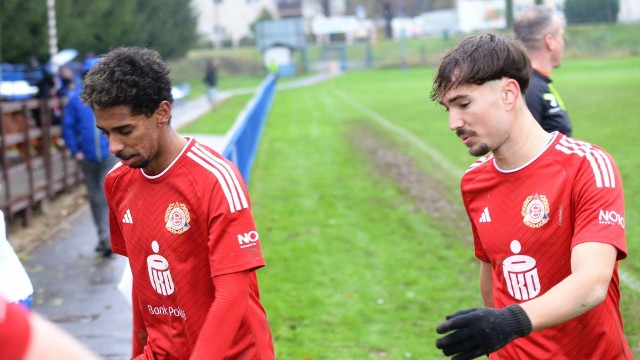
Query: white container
[(15, 285)]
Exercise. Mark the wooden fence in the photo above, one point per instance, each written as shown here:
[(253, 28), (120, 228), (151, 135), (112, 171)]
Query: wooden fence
[(35, 166)]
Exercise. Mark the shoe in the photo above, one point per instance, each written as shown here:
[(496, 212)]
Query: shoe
[(103, 249), (106, 252), (101, 246)]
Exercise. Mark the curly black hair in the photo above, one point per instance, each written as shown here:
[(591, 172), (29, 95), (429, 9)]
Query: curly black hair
[(479, 59), (130, 76)]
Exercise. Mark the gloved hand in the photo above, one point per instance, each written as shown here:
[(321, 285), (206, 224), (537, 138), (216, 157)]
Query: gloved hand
[(481, 331)]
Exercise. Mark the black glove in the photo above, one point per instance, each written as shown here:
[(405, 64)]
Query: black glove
[(481, 331)]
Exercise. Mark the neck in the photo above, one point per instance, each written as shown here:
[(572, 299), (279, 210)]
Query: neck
[(542, 63), (525, 141), (169, 147)]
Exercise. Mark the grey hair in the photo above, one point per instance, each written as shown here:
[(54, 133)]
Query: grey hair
[(533, 24)]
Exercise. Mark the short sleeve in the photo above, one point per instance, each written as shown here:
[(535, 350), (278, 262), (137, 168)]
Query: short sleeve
[(234, 242), (599, 202)]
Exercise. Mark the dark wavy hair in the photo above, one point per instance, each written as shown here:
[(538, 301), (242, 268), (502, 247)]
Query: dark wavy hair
[(479, 59), (130, 76)]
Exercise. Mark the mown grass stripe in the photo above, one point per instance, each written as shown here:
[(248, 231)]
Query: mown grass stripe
[(432, 152)]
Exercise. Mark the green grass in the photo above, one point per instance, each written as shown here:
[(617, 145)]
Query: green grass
[(354, 270), (351, 271), (220, 120)]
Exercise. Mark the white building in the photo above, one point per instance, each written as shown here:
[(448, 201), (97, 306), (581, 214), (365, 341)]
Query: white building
[(220, 20), (629, 11), (490, 14)]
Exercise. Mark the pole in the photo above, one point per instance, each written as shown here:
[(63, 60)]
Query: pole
[(53, 34), (217, 41)]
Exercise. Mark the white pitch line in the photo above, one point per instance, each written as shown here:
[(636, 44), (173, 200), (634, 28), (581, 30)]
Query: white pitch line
[(625, 277), (629, 280), (432, 152)]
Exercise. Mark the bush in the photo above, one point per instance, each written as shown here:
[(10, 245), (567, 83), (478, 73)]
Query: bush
[(247, 41)]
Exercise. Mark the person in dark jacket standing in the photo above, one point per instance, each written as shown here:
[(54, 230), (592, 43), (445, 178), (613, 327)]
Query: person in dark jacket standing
[(91, 148), (211, 80), (542, 33)]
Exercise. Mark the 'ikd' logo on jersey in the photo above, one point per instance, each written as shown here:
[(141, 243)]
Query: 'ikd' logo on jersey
[(177, 218), (535, 211)]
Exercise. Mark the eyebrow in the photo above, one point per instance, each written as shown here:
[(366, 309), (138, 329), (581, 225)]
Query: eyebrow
[(453, 99), (115, 128)]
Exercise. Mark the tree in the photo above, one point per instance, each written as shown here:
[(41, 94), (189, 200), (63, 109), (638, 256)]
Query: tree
[(265, 14), (23, 30), (167, 26), (590, 11), (98, 26), (92, 26)]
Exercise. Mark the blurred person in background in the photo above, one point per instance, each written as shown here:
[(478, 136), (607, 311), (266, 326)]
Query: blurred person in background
[(67, 81), (211, 80), (90, 147), (43, 78), (541, 31)]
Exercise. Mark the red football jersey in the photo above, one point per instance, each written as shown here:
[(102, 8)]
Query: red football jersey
[(180, 229), (15, 330), (525, 223)]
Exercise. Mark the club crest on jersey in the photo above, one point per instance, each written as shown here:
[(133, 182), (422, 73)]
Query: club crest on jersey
[(535, 211), (177, 218)]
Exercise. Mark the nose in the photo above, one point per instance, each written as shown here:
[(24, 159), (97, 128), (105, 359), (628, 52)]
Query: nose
[(115, 145), (455, 122)]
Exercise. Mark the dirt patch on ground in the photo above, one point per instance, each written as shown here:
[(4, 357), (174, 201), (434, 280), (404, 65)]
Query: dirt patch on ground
[(429, 193), (50, 217)]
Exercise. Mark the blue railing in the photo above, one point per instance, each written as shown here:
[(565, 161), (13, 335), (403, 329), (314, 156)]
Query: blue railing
[(242, 140)]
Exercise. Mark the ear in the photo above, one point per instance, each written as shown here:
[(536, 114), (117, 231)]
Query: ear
[(510, 93), (163, 113), (548, 41)]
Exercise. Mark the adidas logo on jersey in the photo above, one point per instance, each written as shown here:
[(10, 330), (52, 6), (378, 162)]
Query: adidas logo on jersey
[(485, 217), (127, 219)]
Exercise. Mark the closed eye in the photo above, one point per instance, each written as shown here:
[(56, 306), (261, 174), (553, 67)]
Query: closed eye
[(124, 130)]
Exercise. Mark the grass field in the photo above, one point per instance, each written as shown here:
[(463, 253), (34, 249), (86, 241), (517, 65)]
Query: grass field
[(363, 265)]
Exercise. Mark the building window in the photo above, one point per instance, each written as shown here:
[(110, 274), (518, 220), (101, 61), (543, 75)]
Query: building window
[(219, 31)]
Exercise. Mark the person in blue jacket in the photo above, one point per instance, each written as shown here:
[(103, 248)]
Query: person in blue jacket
[(91, 148)]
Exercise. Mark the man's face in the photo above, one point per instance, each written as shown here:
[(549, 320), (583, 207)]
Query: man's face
[(557, 52), (475, 115), (133, 139)]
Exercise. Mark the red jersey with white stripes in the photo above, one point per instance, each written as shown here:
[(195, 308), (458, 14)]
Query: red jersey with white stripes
[(180, 229), (525, 223)]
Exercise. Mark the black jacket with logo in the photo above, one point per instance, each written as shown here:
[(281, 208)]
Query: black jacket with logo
[(546, 105)]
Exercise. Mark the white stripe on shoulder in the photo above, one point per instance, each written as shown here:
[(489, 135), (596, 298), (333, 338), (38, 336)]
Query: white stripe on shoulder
[(479, 162), (598, 159), (223, 165), (223, 184), (117, 165), (225, 175)]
